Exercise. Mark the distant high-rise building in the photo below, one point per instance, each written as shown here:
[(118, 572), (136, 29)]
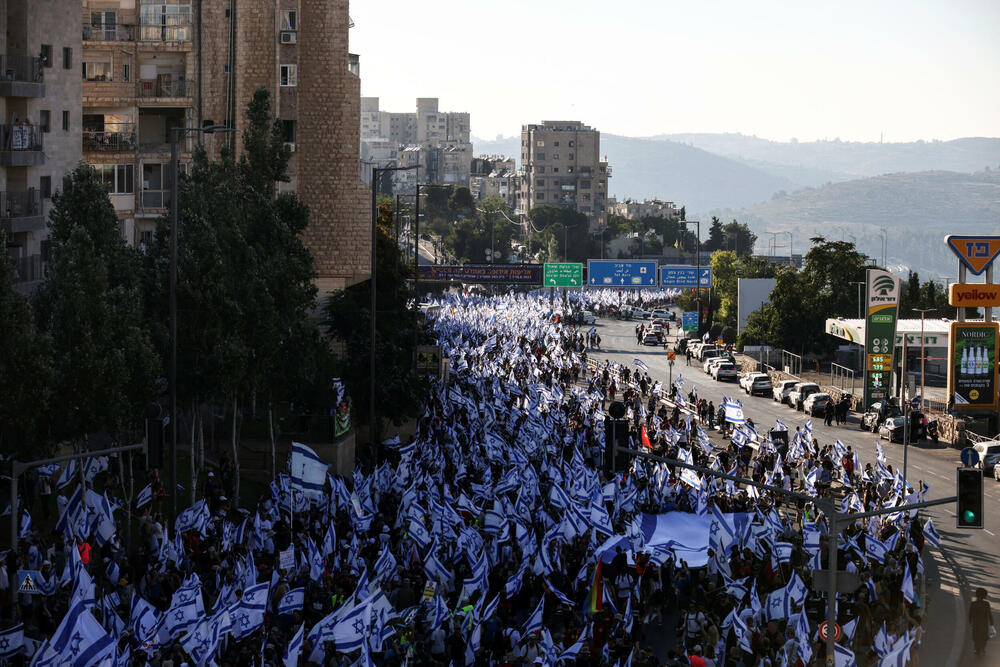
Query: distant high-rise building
[(40, 62), (561, 166)]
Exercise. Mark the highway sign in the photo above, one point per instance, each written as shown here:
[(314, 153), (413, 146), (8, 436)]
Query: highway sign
[(27, 582), (976, 252), (823, 631), (563, 274), (970, 457), (609, 273), (685, 275), (689, 321)]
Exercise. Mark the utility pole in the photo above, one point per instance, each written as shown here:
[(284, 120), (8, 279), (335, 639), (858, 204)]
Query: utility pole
[(923, 356)]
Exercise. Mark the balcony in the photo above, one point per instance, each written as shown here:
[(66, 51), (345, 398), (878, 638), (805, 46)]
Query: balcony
[(21, 145), (114, 138), (29, 269), (21, 76), (21, 211), (109, 33), (160, 32), (154, 200), (163, 87)]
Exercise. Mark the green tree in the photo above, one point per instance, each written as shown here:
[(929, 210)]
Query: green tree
[(103, 362), (563, 229), (716, 236), (25, 358), (738, 237), (461, 204)]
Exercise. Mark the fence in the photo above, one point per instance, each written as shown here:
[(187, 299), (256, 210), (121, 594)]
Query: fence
[(115, 137), (843, 377), (21, 137), (22, 68)]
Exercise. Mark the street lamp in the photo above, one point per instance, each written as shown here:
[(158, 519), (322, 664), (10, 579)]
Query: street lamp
[(373, 426), (175, 135)]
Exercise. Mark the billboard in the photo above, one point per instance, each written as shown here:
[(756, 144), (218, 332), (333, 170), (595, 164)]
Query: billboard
[(752, 294), (882, 299), (972, 365), (522, 274)]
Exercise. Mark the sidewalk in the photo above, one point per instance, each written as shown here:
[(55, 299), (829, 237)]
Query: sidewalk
[(944, 620)]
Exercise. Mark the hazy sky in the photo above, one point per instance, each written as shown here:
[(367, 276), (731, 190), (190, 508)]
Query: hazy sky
[(911, 69)]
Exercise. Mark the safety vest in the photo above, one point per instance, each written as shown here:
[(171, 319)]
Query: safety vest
[(84, 548)]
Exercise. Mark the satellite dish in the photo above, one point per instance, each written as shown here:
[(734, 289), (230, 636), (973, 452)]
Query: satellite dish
[(617, 410)]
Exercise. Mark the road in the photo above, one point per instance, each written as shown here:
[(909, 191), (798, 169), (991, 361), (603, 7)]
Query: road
[(973, 553)]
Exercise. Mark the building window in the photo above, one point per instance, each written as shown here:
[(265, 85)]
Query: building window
[(45, 186), (571, 144), (540, 182), (146, 237), (585, 184), (118, 178), (67, 58), (556, 156), (569, 170), (45, 119), (46, 55), (539, 195), (555, 170), (289, 19), (540, 170), (289, 127), (586, 196), (540, 142), (539, 156), (571, 156), (288, 75), (126, 72), (98, 71), (65, 121)]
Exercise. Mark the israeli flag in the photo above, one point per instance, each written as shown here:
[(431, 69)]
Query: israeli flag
[(734, 412), (640, 364), (439, 613), (351, 631), (779, 425), (194, 518), (79, 641), (573, 651), (783, 551), (308, 471), (931, 534), (25, 523), (844, 656), (294, 648), (907, 587), (11, 640), (534, 622), (418, 533), (67, 475), (145, 497), (875, 548), (292, 601), (779, 605), (514, 582)]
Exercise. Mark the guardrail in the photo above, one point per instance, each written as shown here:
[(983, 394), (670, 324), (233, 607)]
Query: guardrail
[(22, 68), (160, 88), (21, 137), (122, 32), (111, 139)]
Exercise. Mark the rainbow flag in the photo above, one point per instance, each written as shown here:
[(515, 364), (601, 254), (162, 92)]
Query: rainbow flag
[(595, 599)]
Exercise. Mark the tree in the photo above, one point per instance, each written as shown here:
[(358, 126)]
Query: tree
[(716, 237), (25, 358), (739, 238), (461, 204), (563, 229), (398, 330), (103, 362)]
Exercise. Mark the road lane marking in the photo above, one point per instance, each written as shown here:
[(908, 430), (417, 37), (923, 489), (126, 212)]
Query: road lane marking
[(989, 532)]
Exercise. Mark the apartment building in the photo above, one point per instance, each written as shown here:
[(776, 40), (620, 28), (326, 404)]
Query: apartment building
[(154, 65), (39, 123), (561, 166), (648, 208), (494, 176), (436, 141)]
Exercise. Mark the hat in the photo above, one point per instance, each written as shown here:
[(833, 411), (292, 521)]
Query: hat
[(697, 649), (222, 499), (211, 474), (45, 562)]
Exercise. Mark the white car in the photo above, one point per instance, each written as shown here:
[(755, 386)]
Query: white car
[(640, 314), (815, 404), (705, 349), (724, 371), (665, 314), (989, 457), (588, 317), (715, 361), (800, 392), (782, 389)]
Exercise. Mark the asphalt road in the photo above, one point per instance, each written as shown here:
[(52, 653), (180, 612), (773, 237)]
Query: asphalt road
[(975, 554)]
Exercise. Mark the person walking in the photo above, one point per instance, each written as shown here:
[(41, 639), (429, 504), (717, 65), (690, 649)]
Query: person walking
[(981, 620), (828, 412)]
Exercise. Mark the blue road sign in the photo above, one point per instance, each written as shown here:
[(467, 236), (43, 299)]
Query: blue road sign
[(689, 321), (685, 275), (970, 457), (608, 273), (26, 582)]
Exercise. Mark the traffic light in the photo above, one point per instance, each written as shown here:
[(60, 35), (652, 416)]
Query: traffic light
[(970, 498)]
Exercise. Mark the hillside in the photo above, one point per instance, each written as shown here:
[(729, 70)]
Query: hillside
[(844, 159), (916, 209), (689, 176)]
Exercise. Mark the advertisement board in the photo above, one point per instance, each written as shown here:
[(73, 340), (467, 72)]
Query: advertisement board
[(972, 365), (521, 274), (882, 299), (689, 321)]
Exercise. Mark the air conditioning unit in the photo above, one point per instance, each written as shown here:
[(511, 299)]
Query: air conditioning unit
[(290, 145), (287, 37)]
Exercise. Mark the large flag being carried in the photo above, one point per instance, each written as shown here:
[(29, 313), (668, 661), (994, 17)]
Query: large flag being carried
[(308, 471)]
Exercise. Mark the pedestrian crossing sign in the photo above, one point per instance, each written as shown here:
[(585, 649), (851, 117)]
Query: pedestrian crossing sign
[(26, 582)]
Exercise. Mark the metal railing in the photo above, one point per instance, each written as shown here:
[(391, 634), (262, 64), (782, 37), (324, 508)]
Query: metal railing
[(842, 377), (159, 32), (20, 204), (29, 269), (115, 137), (162, 88), (121, 32), (155, 199), (21, 68), (20, 137)]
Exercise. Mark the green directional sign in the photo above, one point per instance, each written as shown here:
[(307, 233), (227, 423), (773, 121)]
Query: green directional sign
[(563, 274)]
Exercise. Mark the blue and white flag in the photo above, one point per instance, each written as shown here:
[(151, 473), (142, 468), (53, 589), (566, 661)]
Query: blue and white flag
[(79, 641), (783, 551), (907, 587), (294, 648), (145, 497), (419, 534), (308, 471), (534, 622), (779, 605), (292, 601), (67, 476), (779, 425), (844, 656), (25, 523), (351, 631), (931, 534), (734, 411), (875, 548), (11, 640), (194, 518), (640, 364)]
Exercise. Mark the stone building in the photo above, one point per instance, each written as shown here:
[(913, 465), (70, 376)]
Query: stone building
[(39, 123), (494, 176), (561, 166), (153, 65), (648, 208)]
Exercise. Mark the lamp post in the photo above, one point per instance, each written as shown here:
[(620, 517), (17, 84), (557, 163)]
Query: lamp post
[(373, 425), (859, 283), (175, 135)]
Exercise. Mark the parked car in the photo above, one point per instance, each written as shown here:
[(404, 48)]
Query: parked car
[(588, 317), (709, 356), (876, 415), (892, 429), (761, 386), (816, 403), (747, 379), (663, 314), (705, 349), (800, 392), (652, 338), (639, 313), (724, 371), (781, 390), (712, 363), (989, 457)]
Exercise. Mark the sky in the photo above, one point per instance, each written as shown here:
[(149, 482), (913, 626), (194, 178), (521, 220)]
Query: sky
[(900, 69)]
